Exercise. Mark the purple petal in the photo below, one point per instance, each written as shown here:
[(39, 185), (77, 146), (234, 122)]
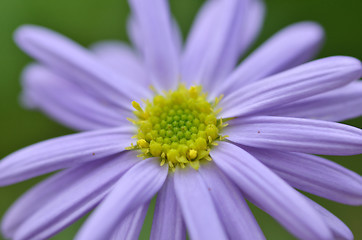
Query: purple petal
[(67, 103), (295, 84), (214, 44), (121, 58), (290, 47), (313, 174), (124, 61), (160, 50), (59, 201), (72, 61), (135, 188), (296, 135), (234, 212), (337, 105), (131, 226), (254, 21), (197, 207), (167, 220), (136, 36), (177, 37), (338, 228), (195, 47), (62, 152), (270, 192), (253, 24)]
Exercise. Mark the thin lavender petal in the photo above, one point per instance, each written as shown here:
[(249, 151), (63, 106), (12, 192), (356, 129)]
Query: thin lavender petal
[(160, 50), (195, 46), (254, 21), (338, 228), (61, 200), (219, 24), (337, 105), (296, 135), (290, 47), (126, 63), (177, 36), (167, 220), (121, 58), (131, 226), (135, 188), (270, 192), (295, 84), (234, 212), (313, 174), (63, 152), (197, 207), (72, 61), (35, 198), (66, 102), (135, 33)]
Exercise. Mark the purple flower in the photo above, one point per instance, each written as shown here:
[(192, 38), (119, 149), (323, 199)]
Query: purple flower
[(203, 154)]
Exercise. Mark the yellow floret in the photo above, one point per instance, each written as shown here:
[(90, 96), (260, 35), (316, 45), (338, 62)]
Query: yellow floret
[(192, 154), (142, 143)]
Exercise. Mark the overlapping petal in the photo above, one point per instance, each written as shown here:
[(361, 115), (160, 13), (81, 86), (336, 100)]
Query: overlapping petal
[(197, 207), (82, 67), (167, 220), (59, 201), (221, 25), (337, 105), (68, 103), (123, 59), (254, 21), (135, 33), (135, 188), (338, 228), (313, 174), (63, 152), (295, 84), (160, 50), (289, 47), (233, 211), (270, 192), (131, 226), (296, 135)]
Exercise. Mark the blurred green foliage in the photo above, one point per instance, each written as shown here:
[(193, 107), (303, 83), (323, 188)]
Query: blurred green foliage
[(88, 21)]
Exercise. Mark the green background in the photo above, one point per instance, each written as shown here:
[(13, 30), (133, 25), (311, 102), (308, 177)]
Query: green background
[(88, 21)]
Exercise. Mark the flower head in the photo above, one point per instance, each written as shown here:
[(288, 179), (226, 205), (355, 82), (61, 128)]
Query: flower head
[(180, 122)]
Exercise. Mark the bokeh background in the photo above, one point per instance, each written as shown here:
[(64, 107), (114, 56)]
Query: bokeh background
[(89, 21)]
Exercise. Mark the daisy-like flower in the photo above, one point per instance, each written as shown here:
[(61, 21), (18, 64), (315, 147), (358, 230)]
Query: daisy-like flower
[(203, 137)]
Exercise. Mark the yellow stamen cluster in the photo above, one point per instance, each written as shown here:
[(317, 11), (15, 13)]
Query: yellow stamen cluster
[(180, 127)]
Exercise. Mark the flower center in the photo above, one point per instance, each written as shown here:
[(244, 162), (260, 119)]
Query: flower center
[(180, 127)]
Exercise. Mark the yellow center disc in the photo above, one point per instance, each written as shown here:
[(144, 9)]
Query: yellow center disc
[(180, 127)]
